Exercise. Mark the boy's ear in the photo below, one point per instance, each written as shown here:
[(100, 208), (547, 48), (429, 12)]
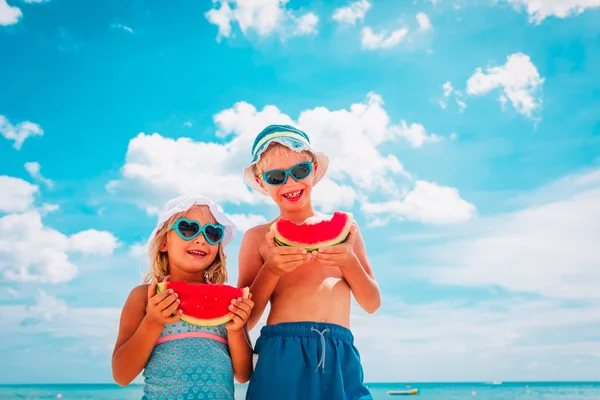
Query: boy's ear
[(259, 181)]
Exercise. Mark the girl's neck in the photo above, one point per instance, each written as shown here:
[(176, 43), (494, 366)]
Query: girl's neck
[(179, 275), (299, 216)]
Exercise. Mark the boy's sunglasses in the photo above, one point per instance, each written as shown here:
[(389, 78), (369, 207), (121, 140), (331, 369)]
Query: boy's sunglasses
[(188, 229), (277, 177)]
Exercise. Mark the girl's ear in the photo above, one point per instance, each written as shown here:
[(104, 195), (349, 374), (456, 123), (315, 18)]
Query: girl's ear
[(163, 248)]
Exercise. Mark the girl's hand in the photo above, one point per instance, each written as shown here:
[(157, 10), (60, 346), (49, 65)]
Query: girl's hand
[(240, 312), (161, 308)]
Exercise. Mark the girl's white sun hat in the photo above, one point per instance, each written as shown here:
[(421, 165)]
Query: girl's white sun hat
[(184, 203)]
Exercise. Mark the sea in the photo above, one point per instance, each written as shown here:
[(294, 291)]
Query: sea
[(426, 391)]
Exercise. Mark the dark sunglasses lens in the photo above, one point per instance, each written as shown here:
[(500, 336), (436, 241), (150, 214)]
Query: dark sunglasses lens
[(275, 177), (301, 171), (213, 233), (188, 229)]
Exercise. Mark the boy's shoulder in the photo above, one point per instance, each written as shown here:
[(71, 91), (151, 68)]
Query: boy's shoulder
[(260, 229)]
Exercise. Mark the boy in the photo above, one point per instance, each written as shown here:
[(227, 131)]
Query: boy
[(306, 350)]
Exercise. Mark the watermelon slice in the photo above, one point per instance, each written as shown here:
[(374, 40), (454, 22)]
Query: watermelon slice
[(204, 304), (313, 236)]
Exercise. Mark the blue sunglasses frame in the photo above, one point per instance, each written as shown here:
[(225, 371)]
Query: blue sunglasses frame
[(201, 230), (287, 173)]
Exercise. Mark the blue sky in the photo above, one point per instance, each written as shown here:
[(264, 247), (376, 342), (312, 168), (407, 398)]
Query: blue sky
[(463, 135)]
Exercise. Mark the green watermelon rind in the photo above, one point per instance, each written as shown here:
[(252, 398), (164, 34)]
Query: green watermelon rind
[(205, 322), (340, 238)]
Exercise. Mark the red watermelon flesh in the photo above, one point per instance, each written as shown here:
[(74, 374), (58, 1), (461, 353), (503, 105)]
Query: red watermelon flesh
[(204, 304), (313, 235)]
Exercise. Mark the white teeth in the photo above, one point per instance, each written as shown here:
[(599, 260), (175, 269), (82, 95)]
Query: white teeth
[(293, 194), (197, 252)]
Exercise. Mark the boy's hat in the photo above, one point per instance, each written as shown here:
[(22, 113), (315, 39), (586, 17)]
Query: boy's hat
[(184, 203), (292, 138)]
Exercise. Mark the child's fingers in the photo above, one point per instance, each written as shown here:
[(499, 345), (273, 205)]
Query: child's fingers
[(289, 250), (338, 249), (236, 319), (167, 301), (328, 256), (270, 237), (292, 258), (240, 306), (152, 288), (158, 297), (174, 318), (171, 309)]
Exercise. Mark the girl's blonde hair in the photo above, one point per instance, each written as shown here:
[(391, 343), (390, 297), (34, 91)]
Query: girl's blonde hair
[(159, 260)]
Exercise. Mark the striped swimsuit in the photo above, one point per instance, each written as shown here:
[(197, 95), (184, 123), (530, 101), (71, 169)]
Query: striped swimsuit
[(189, 362)]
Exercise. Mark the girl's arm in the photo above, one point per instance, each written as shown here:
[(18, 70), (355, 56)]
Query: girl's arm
[(240, 348), (139, 329), (241, 354)]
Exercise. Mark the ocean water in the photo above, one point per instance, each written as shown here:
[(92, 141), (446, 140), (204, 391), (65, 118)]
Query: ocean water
[(427, 391)]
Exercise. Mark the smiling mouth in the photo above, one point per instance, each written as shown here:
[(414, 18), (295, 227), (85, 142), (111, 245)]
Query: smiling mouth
[(197, 253), (293, 195)]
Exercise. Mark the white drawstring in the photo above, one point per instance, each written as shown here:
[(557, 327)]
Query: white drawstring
[(322, 361)]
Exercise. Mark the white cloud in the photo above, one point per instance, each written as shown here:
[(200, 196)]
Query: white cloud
[(331, 196), (93, 241), (476, 341), (423, 21), (9, 15), (427, 202), (246, 221), (416, 135), (171, 167), (48, 208), (261, 16), (33, 168), (163, 167), (352, 13), (549, 248), (32, 252), (518, 79), (122, 27), (450, 91), (382, 40), (539, 10), (306, 24), (20, 132), (16, 194), (138, 250)]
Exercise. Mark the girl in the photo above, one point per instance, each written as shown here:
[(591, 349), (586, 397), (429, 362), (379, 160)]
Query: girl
[(204, 362)]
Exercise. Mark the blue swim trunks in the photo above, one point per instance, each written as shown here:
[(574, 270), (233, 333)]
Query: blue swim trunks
[(306, 361)]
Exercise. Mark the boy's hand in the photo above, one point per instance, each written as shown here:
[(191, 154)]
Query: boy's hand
[(340, 255), (283, 259), (240, 312), (161, 306)]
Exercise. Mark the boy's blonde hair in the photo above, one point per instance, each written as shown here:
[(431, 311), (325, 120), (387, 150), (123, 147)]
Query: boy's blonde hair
[(159, 261), (278, 149)]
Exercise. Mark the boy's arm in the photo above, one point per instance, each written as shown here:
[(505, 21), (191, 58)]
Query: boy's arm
[(251, 273), (351, 258)]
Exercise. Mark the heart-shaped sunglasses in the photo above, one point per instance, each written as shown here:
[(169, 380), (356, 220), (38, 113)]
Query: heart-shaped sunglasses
[(188, 229), (276, 177)]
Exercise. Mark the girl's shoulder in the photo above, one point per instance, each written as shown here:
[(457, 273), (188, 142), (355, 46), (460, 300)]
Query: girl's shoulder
[(139, 295)]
